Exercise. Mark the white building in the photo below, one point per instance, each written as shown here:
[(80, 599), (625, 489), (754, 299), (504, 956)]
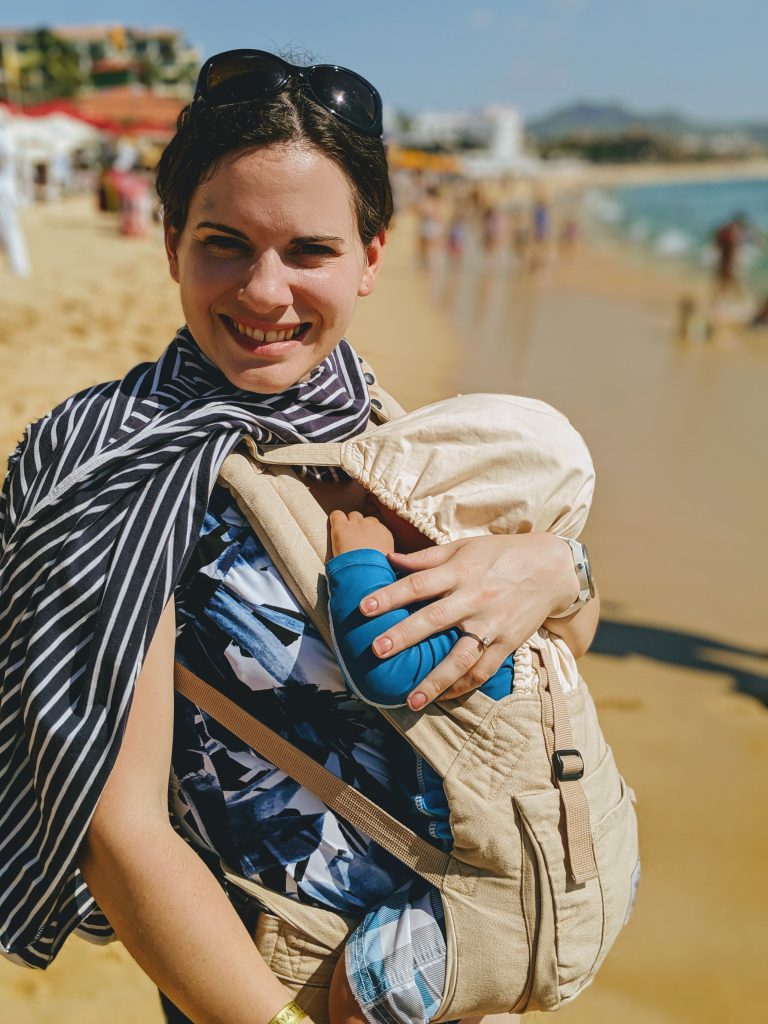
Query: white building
[(490, 142)]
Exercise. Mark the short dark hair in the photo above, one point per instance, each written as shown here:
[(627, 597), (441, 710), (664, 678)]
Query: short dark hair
[(203, 136)]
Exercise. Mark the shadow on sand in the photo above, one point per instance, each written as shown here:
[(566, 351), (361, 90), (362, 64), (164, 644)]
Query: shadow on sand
[(688, 650)]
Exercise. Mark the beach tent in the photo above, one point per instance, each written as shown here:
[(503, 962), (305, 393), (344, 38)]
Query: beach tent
[(45, 146), (43, 137)]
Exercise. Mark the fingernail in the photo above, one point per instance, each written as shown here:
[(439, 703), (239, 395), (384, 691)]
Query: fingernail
[(383, 645), (416, 701), (370, 604)]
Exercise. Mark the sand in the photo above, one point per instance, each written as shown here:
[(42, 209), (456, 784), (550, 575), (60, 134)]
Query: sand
[(676, 535)]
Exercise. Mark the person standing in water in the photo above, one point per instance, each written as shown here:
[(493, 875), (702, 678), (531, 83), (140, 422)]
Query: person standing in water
[(728, 239)]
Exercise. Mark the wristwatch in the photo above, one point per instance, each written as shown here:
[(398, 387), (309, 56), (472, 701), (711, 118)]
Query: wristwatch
[(583, 575)]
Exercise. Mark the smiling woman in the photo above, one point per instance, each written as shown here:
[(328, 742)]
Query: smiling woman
[(270, 263), (122, 553)]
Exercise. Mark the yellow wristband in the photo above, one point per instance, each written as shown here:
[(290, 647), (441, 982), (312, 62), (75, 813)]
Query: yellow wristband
[(291, 1013)]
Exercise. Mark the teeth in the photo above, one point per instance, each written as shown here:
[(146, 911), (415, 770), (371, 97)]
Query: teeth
[(267, 336)]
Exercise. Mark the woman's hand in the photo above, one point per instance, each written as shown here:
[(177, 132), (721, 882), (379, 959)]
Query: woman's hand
[(502, 587)]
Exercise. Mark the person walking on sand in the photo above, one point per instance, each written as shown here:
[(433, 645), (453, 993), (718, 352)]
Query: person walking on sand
[(11, 236), (541, 224), (430, 229)]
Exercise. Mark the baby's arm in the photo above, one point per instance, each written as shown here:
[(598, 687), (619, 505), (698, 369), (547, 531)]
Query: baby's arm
[(354, 573)]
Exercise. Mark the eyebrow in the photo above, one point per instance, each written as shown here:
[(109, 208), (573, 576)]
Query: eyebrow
[(221, 227), (301, 240), (313, 239)]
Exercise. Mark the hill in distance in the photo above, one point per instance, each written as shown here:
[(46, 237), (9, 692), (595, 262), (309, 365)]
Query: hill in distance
[(589, 119)]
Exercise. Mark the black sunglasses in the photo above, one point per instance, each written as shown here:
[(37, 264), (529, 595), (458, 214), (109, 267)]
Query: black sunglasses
[(236, 76)]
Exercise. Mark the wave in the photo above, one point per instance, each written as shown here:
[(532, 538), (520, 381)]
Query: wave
[(678, 221)]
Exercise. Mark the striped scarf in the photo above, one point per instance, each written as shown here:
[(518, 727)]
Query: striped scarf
[(100, 512)]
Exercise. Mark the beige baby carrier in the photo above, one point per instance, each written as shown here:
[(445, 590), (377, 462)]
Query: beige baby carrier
[(539, 881)]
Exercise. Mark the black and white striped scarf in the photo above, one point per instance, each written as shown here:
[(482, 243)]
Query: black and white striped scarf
[(101, 508)]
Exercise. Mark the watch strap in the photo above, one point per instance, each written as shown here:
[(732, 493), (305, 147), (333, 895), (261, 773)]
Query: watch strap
[(581, 568)]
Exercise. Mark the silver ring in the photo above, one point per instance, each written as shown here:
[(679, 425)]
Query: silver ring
[(484, 641)]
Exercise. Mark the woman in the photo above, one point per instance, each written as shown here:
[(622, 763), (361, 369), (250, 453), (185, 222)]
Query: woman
[(120, 553)]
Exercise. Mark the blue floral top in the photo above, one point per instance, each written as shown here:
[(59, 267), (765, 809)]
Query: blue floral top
[(241, 629)]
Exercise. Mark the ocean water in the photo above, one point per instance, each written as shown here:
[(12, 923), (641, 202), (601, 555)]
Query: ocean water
[(676, 221)]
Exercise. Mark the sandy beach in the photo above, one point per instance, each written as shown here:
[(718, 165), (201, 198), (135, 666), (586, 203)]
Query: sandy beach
[(676, 535)]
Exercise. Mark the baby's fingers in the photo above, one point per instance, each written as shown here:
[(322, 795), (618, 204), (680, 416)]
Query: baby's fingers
[(338, 526)]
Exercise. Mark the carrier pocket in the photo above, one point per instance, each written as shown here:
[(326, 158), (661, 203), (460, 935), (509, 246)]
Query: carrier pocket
[(564, 919), (616, 852), (573, 925)]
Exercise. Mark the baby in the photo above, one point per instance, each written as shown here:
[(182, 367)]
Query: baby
[(472, 465), (360, 545)]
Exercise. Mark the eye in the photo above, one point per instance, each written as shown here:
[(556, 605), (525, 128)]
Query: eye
[(314, 249), (224, 243)]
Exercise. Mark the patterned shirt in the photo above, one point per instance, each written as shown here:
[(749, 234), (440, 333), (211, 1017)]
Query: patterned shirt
[(241, 629)]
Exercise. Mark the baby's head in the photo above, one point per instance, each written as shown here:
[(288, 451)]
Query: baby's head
[(472, 466), (375, 528), (407, 537), (469, 466)]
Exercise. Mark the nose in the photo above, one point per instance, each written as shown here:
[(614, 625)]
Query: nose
[(268, 285)]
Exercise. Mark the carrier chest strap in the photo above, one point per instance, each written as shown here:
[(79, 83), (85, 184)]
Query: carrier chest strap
[(413, 851), (568, 768)]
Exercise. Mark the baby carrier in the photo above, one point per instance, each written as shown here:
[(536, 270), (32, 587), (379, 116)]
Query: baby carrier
[(539, 881)]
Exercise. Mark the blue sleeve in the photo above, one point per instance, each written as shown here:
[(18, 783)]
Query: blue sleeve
[(351, 577)]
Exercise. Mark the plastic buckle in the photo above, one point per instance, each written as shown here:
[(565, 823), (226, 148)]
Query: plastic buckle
[(561, 771)]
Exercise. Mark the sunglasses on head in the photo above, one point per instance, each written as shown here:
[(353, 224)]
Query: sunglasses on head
[(240, 75)]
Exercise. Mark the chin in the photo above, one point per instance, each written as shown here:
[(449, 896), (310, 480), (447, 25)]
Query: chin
[(266, 380)]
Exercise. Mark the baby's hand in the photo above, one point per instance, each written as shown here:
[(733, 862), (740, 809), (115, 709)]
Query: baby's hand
[(352, 531)]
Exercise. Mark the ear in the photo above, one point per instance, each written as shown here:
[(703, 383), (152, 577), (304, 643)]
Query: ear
[(374, 256), (172, 236)]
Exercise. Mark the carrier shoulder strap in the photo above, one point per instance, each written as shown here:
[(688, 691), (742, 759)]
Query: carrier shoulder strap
[(296, 542), (358, 810), (568, 766)]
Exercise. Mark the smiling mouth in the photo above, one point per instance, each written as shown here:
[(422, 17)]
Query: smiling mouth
[(267, 337)]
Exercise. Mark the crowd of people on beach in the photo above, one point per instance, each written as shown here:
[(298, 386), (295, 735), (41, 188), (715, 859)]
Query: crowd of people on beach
[(506, 223), (521, 227)]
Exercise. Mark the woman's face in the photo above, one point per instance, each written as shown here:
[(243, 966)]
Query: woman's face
[(270, 264)]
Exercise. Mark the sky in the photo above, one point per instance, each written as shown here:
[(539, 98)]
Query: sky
[(704, 58)]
